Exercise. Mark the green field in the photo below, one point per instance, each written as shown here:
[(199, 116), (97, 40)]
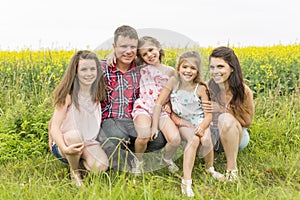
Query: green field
[(269, 166)]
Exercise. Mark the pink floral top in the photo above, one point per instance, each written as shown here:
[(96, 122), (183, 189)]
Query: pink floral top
[(151, 83)]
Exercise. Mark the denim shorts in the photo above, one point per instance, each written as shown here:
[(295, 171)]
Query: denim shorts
[(218, 147), (57, 154)]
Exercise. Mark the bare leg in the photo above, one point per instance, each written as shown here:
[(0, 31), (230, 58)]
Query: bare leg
[(94, 158), (73, 137), (209, 159), (171, 133), (142, 126), (190, 150), (206, 149), (230, 136)]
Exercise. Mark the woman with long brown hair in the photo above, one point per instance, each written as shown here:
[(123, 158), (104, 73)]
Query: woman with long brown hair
[(76, 120), (232, 106)]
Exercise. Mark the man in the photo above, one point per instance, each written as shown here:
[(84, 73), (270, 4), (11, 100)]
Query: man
[(122, 87)]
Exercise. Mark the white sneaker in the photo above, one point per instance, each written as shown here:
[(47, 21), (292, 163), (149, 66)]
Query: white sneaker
[(215, 174), (137, 166), (186, 188), (170, 164)]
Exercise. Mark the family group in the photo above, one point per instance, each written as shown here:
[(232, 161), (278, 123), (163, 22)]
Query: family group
[(134, 102)]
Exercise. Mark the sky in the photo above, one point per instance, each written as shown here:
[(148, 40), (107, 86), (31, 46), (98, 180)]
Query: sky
[(85, 24)]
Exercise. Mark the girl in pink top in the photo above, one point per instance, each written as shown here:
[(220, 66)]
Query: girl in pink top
[(154, 75), (77, 116)]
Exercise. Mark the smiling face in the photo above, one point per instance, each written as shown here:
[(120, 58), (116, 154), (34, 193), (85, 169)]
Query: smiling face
[(188, 70), (125, 50), (219, 70), (149, 53), (86, 72)]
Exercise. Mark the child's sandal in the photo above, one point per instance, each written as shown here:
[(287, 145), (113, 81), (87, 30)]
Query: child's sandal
[(76, 178), (215, 174), (186, 188), (231, 175)]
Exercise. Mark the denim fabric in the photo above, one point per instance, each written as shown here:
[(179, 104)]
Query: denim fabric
[(218, 145), (57, 154)]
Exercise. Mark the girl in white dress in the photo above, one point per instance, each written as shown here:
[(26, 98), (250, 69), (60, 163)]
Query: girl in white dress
[(186, 91)]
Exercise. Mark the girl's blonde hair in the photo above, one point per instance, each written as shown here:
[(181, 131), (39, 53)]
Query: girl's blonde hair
[(70, 83), (185, 56)]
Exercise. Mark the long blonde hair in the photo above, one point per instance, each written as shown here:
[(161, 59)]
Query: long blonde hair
[(191, 54), (197, 58)]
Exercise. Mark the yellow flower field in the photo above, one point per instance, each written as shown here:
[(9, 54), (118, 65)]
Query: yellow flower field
[(275, 68)]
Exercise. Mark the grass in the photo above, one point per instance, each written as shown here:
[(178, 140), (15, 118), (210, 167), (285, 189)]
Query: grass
[(268, 167)]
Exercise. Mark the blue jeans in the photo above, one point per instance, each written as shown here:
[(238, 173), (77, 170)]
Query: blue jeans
[(57, 154), (218, 147)]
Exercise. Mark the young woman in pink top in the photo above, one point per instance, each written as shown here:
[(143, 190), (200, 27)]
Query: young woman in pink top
[(77, 116)]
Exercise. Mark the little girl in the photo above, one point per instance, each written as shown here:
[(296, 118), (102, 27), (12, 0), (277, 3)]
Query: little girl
[(186, 91), (153, 77), (77, 116)]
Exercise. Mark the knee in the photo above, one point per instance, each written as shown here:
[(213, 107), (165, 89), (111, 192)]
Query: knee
[(225, 121), (72, 137), (175, 141), (192, 143), (142, 141), (195, 142), (206, 140), (101, 167), (96, 165)]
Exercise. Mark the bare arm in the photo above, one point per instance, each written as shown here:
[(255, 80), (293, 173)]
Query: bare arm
[(163, 96), (55, 132), (200, 129), (180, 122)]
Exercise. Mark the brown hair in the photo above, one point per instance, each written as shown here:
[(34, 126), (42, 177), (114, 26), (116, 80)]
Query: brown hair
[(125, 31), (70, 83), (235, 80), (153, 41)]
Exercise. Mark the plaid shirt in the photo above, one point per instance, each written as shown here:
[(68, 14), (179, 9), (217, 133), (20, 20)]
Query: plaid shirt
[(122, 89)]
